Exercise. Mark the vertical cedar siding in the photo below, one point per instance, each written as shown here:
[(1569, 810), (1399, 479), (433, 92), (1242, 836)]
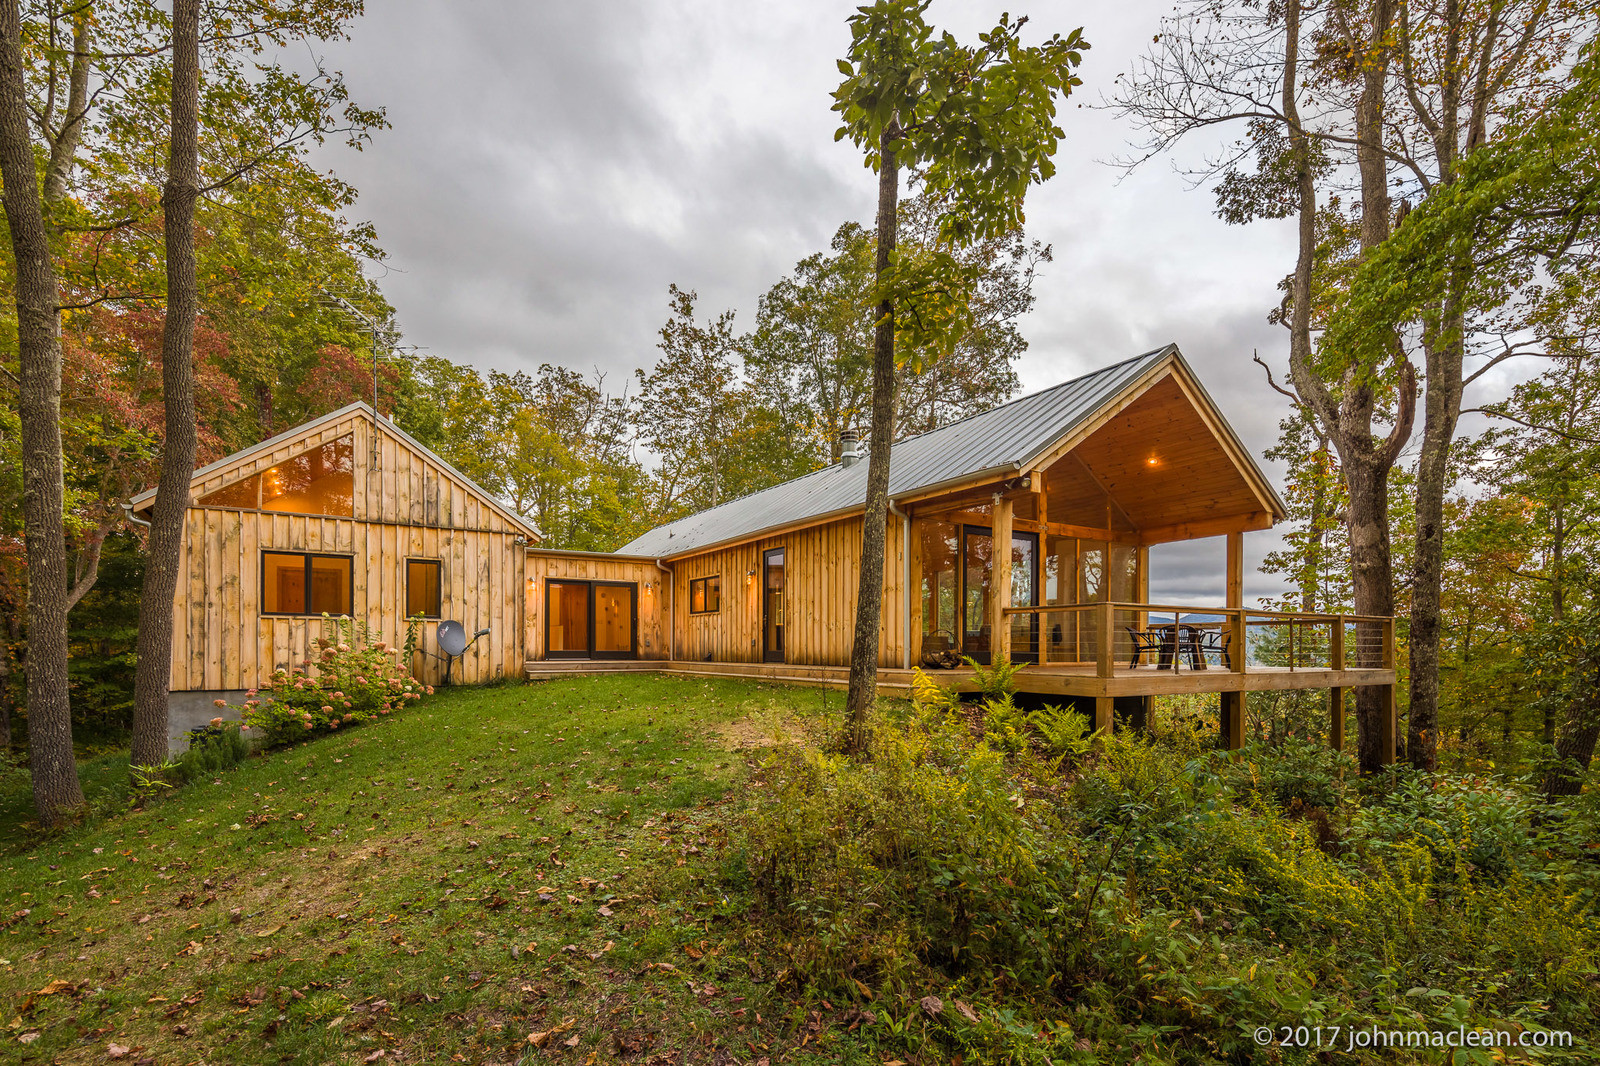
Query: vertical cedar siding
[(822, 570), (222, 641)]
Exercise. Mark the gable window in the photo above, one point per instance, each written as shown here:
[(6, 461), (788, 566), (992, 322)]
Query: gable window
[(302, 583), (705, 595), (423, 588), (319, 481)]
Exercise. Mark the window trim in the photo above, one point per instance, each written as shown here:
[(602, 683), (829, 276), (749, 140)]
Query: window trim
[(705, 581), (438, 569), (261, 588)]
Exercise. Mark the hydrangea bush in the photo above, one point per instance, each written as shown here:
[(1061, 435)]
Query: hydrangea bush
[(350, 680)]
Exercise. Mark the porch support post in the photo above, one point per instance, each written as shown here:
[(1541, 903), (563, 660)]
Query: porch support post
[(1233, 720), (1000, 598), (1336, 719), (1235, 570)]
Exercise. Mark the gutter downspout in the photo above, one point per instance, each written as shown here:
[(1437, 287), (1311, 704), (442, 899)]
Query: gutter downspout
[(905, 581), (672, 613), (127, 510)]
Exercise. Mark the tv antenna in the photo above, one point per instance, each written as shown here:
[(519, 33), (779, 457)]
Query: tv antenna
[(382, 334)]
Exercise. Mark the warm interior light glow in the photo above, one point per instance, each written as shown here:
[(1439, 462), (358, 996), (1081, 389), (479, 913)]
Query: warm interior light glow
[(1153, 461)]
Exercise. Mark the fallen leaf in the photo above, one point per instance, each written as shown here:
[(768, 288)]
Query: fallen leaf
[(966, 1011), (932, 1004), (116, 1051), (375, 1056), (269, 932)]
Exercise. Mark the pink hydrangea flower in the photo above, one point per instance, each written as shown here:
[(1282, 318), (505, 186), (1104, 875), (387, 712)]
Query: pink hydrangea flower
[(327, 710), (220, 703), (429, 690), (216, 721)]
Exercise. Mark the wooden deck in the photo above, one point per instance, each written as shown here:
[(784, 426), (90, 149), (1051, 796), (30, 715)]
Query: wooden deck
[(1054, 679)]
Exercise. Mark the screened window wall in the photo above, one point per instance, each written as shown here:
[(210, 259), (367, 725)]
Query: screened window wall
[(956, 589)]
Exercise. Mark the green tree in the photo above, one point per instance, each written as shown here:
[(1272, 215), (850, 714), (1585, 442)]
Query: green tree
[(713, 438), (977, 123), (1315, 558), (810, 357)]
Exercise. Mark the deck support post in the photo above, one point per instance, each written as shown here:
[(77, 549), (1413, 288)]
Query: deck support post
[(1000, 596), (1104, 712), (1336, 719), (1233, 720)]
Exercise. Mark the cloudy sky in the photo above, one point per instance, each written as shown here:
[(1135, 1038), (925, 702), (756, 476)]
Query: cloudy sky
[(552, 167)]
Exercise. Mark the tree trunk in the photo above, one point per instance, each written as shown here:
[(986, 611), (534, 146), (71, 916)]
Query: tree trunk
[(153, 672), (1346, 416), (1441, 413), (1372, 574), (874, 525), (56, 791), (1575, 749)]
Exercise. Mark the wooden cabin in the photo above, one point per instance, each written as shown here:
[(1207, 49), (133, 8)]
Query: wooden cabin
[(346, 515), (1080, 480)]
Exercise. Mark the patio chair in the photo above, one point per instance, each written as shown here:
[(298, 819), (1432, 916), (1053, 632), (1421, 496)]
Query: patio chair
[(1220, 643), (1143, 643)]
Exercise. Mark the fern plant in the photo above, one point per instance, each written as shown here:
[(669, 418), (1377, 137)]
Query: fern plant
[(997, 680)]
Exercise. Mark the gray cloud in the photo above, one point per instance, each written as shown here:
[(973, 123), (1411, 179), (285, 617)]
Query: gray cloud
[(552, 167)]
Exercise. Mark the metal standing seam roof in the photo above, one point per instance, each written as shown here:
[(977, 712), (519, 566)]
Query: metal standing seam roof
[(1001, 439)]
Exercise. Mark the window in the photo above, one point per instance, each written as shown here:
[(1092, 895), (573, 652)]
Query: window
[(705, 595), (299, 583), (320, 481), (423, 588)]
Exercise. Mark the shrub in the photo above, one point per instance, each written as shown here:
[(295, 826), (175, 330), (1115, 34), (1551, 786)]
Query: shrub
[(212, 749), (1471, 826), (918, 854), (351, 680)]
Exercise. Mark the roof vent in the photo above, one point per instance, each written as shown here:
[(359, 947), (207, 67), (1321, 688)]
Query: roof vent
[(849, 447)]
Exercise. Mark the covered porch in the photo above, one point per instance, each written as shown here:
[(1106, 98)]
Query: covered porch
[(1071, 598)]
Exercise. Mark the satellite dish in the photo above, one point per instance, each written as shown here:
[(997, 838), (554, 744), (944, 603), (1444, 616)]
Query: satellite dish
[(452, 638)]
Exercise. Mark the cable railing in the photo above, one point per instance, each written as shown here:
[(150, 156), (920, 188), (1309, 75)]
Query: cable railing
[(1112, 636)]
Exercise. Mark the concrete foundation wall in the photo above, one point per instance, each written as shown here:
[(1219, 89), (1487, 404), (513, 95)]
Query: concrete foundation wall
[(191, 710)]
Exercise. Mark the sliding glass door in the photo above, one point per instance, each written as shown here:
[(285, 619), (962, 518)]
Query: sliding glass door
[(591, 620)]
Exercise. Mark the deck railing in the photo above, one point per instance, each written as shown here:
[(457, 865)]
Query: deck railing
[(1178, 638)]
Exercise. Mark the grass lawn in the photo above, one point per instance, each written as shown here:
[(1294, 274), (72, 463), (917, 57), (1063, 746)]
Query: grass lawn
[(499, 875)]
